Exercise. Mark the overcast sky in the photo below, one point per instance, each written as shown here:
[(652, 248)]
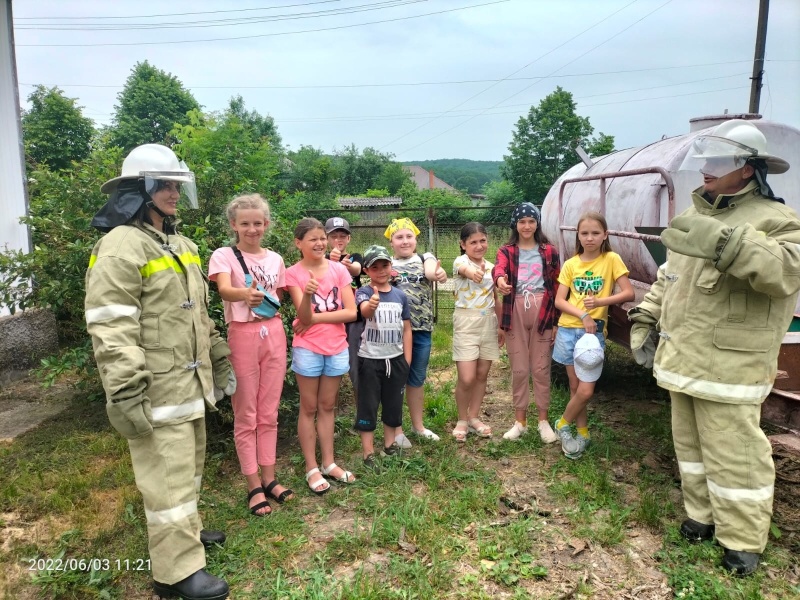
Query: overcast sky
[(422, 79)]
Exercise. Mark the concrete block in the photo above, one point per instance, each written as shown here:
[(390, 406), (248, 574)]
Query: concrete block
[(25, 338)]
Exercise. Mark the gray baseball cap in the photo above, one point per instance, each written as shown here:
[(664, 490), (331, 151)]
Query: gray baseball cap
[(335, 223)]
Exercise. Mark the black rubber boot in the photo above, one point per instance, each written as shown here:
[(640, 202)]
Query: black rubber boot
[(740, 562), (695, 531), (209, 537), (201, 585)]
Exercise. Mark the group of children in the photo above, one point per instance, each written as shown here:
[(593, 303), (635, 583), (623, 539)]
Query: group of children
[(381, 333)]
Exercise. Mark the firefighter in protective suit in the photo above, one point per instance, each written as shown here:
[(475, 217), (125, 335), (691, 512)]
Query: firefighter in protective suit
[(718, 313), (160, 357)]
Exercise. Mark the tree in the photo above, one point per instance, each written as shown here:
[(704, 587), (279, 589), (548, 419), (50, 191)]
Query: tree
[(228, 157), (261, 126), (467, 182), (449, 205), (150, 105), (602, 145), (308, 170), (502, 197), (62, 204), (542, 145), (461, 173), (357, 172), (54, 130), (393, 176)]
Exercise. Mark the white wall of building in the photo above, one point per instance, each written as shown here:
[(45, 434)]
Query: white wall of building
[(13, 192)]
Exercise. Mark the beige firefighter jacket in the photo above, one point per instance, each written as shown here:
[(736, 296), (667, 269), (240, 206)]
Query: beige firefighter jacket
[(721, 327), (147, 313)]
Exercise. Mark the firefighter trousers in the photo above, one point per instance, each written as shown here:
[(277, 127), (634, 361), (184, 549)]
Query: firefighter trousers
[(727, 473), (168, 466)]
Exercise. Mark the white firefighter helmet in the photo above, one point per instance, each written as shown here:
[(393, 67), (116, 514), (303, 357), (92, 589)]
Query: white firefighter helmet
[(154, 163), (728, 148)]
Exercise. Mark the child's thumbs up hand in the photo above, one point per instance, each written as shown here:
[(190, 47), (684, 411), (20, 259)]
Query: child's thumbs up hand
[(440, 275), (502, 285), (252, 295), (375, 299), (478, 273), (312, 285), (589, 301)]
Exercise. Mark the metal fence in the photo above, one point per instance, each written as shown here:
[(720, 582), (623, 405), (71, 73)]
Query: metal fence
[(439, 234)]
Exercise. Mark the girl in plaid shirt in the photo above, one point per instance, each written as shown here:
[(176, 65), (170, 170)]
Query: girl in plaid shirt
[(526, 273)]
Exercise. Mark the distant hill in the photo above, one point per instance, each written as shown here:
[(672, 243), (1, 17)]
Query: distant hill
[(469, 175)]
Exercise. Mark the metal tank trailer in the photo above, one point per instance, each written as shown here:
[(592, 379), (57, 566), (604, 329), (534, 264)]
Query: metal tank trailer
[(639, 190)]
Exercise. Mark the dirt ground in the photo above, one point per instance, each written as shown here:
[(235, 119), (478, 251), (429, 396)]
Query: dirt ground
[(631, 566), (572, 560)]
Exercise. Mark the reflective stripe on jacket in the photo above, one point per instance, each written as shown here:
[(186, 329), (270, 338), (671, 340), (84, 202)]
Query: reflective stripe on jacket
[(720, 332), (147, 313)]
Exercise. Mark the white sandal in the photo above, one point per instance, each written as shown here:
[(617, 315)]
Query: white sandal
[(479, 428), (345, 478), (313, 486), (460, 431)]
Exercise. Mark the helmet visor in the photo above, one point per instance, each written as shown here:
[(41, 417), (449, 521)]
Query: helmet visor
[(716, 156), (181, 182)]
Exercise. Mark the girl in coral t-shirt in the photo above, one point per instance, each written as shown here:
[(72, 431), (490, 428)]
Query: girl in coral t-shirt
[(323, 297)]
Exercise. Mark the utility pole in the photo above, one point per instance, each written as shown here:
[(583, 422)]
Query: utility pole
[(758, 60)]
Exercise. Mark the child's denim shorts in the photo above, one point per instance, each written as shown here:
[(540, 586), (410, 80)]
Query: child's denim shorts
[(312, 364), (420, 356), (567, 337)]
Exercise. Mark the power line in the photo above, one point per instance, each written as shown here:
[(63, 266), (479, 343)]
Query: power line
[(412, 116), (221, 22), (405, 84), (484, 113), (670, 96), (510, 75), (534, 83), (207, 12), (263, 35), (428, 114)]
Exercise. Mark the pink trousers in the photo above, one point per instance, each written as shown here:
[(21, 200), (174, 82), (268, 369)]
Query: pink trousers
[(529, 353), (258, 356)]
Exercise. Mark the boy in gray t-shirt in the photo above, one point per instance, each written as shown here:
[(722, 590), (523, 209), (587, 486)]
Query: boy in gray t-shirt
[(384, 355)]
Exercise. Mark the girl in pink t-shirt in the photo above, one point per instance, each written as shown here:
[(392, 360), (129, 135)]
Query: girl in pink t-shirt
[(323, 297), (258, 347)]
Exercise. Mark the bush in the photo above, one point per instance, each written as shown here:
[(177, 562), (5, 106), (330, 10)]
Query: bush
[(62, 205)]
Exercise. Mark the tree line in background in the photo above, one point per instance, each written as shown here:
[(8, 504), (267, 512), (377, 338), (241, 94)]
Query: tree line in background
[(235, 151), (467, 175)]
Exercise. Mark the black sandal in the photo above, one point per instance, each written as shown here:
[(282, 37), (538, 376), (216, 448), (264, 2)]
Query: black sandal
[(254, 509), (279, 498)]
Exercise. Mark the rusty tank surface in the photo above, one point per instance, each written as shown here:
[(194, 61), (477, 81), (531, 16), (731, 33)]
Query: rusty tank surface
[(639, 190)]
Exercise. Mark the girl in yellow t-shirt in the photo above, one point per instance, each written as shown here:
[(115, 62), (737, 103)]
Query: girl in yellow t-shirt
[(585, 291)]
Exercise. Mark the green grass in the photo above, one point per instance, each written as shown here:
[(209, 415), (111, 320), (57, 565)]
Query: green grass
[(428, 526)]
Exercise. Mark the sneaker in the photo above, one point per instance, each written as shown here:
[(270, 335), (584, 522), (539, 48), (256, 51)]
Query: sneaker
[(402, 441), (427, 434), (393, 450), (583, 443), (546, 433), (517, 431), (371, 463), (570, 446)]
